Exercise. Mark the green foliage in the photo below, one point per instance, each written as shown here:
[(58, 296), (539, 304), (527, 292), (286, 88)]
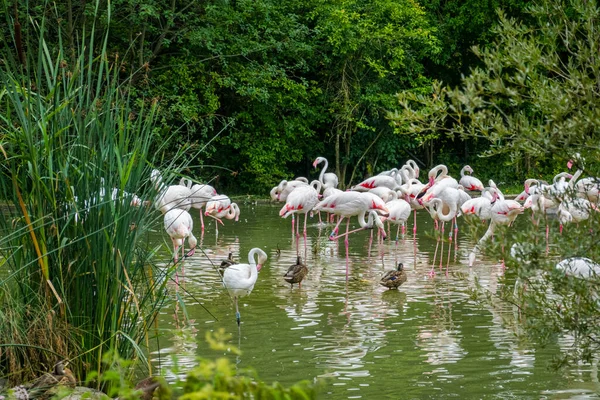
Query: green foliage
[(532, 100), (219, 379), (75, 149)]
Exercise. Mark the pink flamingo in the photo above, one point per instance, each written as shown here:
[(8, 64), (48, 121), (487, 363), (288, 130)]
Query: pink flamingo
[(504, 212), (378, 181)]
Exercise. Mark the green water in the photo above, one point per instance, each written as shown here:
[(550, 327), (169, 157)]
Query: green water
[(426, 340)]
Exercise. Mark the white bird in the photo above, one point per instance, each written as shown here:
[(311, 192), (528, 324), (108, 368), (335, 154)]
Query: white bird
[(579, 267), (179, 226), (328, 179), (301, 201), (469, 182), (399, 213), (170, 197), (200, 196), (239, 279)]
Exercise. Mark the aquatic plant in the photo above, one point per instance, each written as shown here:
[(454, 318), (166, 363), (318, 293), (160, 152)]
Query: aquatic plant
[(77, 276)]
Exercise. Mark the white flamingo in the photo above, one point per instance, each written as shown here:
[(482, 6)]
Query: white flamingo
[(349, 204), (239, 279), (179, 226), (200, 196), (469, 182), (399, 213), (170, 197), (301, 201), (328, 179)]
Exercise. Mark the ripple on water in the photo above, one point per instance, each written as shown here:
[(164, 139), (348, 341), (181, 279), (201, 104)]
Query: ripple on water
[(358, 337)]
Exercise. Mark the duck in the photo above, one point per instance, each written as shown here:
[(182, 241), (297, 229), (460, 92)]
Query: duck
[(394, 278), (228, 262), (296, 273)]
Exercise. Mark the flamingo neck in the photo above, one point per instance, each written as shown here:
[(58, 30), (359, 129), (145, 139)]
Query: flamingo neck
[(323, 171)]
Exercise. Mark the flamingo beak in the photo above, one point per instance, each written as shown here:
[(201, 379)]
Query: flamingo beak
[(258, 267)]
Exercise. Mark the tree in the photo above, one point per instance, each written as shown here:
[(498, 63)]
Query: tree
[(535, 97), (370, 50)]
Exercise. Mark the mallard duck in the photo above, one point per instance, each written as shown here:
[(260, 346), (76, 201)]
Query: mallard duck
[(227, 263), (393, 279), (45, 385), (296, 273)]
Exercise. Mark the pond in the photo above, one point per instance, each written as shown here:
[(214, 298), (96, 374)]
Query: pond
[(426, 340)]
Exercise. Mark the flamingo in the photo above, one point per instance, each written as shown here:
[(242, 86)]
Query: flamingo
[(579, 267), (444, 211), (301, 200), (179, 226), (239, 279), (411, 190), (328, 179), (469, 182), (574, 210), (479, 206), (399, 212), (378, 181), (504, 212), (386, 194), (412, 165), (438, 181), (200, 196), (348, 204), (287, 187), (170, 197)]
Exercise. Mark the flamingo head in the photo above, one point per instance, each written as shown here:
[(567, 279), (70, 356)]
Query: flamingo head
[(317, 161), (262, 259)]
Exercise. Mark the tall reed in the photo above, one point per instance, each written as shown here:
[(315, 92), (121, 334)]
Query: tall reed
[(76, 271)]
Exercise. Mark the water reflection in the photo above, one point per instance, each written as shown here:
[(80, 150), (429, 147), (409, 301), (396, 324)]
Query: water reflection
[(358, 336)]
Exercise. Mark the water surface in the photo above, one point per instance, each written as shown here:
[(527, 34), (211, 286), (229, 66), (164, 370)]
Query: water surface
[(425, 340)]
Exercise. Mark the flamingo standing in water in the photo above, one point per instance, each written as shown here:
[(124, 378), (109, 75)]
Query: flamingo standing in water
[(200, 196), (239, 279), (169, 197), (348, 204), (469, 182), (399, 213), (179, 226), (301, 201), (328, 179)]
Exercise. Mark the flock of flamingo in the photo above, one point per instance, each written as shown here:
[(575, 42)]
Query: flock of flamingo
[(388, 197)]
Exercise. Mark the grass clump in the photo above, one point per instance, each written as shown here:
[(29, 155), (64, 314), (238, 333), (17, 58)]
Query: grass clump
[(77, 276)]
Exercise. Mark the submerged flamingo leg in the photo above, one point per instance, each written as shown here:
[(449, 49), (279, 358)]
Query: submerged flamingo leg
[(346, 244), (415, 224), (442, 239)]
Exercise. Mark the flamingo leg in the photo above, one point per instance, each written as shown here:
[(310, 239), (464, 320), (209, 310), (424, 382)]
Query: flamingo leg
[(442, 240), (346, 244), (201, 220), (335, 230), (415, 223), (293, 224), (305, 217), (397, 232)]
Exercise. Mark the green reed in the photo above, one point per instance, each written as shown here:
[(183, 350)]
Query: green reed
[(77, 276)]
